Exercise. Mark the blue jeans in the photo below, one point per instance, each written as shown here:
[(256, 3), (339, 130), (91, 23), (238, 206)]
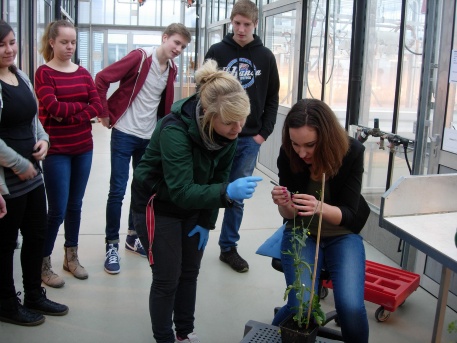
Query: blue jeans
[(344, 258), (243, 165), (65, 178), (123, 148), (174, 274)]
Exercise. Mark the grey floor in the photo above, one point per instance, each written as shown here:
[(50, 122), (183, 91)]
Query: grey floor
[(114, 308)]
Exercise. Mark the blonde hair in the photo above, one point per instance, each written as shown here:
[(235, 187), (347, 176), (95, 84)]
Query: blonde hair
[(221, 94), (51, 32)]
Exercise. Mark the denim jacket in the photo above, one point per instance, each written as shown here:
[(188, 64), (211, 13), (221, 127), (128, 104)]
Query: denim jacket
[(9, 158)]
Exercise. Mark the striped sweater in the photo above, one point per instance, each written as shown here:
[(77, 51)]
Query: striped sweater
[(72, 97)]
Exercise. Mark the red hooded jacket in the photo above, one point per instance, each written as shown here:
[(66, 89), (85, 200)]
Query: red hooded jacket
[(131, 71)]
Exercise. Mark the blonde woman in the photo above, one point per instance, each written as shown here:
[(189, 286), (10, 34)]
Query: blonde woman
[(68, 101), (186, 166)]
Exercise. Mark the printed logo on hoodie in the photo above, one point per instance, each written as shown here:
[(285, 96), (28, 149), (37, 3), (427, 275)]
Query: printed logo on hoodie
[(244, 70)]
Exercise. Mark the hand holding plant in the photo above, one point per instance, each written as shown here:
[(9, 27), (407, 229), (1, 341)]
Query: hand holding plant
[(299, 236), (306, 204)]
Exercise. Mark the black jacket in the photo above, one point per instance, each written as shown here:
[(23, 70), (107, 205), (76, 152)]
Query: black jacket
[(345, 186), (255, 66)]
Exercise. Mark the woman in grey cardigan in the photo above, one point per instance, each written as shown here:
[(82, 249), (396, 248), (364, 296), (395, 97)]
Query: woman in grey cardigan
[(23, 144)]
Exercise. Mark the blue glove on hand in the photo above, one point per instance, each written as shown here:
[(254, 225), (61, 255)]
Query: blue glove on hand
[(204, 233), (242, 188)]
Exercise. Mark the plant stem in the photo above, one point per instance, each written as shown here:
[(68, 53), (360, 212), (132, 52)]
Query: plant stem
[(316, 255)]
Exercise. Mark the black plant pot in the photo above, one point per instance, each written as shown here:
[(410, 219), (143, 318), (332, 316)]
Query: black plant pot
[(292, 333)]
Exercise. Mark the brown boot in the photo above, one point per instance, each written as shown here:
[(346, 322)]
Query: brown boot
[(71, 263), (48, 276)]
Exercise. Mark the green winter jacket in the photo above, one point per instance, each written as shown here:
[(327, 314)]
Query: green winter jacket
[(186, 177)]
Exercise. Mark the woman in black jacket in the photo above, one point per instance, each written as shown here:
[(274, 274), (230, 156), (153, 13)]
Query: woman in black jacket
[(314, 143)]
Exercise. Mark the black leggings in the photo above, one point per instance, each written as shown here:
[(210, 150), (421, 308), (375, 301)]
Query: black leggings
[(27, 213)]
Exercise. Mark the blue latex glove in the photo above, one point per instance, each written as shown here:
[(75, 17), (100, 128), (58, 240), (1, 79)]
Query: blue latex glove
[(204, 233), (242, 188)]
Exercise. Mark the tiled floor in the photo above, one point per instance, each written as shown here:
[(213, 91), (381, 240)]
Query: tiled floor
[(114, 308)]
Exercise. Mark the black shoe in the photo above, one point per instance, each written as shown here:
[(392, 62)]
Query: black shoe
[(234, 260), (12, 311), (36, 300)]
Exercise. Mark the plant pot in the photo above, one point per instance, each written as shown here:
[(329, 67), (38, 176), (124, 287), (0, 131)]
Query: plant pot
[(292, 333)]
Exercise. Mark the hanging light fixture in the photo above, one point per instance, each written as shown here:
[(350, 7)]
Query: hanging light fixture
[(189, 2)]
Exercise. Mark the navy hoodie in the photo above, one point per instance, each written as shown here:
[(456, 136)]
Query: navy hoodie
[(255, 66)]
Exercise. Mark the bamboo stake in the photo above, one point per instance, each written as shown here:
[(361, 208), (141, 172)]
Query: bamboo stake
[(316, 256)]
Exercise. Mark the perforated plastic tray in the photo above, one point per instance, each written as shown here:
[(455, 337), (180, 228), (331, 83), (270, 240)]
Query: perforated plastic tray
[(256, 332)]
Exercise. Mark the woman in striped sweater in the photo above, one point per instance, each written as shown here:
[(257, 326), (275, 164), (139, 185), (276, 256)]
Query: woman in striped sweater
[(67, 102)]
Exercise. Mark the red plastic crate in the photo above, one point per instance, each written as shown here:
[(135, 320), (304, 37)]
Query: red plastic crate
[(386, 286)]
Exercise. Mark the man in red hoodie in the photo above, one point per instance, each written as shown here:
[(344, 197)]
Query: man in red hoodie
[(146, 92)]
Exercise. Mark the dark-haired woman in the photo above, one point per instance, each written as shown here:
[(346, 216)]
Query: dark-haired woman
[(314, 143), (23, 144)]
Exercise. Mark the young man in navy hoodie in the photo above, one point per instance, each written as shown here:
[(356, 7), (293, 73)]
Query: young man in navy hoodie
[(146, 92), (242, 54)]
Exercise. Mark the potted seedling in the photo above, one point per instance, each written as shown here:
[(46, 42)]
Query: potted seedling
[(303, 325)]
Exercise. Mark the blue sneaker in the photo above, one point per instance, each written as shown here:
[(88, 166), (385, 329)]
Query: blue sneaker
[(133, 244), (112, 265)]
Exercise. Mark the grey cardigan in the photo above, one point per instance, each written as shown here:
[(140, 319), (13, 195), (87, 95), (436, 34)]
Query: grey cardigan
[(10, 158)]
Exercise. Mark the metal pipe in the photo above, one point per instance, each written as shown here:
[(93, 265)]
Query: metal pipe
[(197, 33), (57, 11), (76, 25), (396, 109), (31, 35), (425, 88), (324, 57), (302, 56), (356, 65)]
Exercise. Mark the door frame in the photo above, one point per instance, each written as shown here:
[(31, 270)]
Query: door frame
[(270, 148), (440, 161)]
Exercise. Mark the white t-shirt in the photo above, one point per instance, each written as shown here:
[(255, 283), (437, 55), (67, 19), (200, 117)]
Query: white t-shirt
[(140, 118)]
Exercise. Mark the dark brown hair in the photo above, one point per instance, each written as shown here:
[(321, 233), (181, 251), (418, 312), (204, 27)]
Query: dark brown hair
[(5, 29), (332, 140)]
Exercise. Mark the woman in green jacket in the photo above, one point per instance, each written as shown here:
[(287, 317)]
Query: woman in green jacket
[(179, 186)]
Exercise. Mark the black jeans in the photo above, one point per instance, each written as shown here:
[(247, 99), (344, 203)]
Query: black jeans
[(27, 212), (174, 274)]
